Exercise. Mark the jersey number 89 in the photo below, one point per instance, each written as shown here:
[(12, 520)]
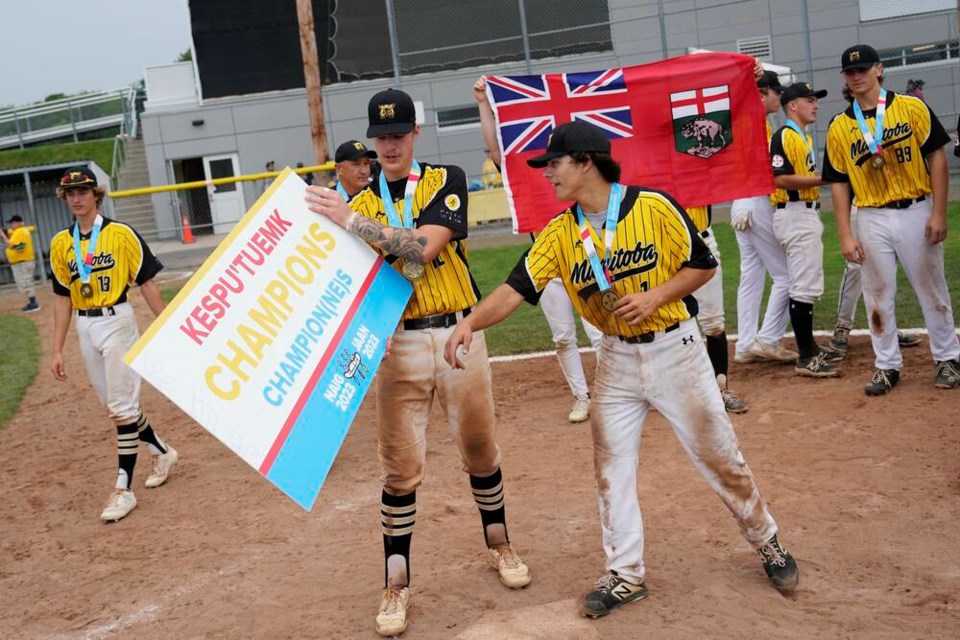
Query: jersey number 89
[(904, 154)]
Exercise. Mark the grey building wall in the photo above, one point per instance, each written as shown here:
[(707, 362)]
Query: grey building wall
[(276, 126)]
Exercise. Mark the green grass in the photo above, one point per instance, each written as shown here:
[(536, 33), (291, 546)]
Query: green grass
[(18, 367), (100, 151), (526, 330)]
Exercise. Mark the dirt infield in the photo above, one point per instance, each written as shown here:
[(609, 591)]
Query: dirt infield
[(865, 492)]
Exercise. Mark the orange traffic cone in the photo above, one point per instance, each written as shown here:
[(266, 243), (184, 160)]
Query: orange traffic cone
[(187, 232)]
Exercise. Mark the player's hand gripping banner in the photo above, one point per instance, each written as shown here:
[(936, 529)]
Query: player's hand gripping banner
[(692, 126), (273, 343)]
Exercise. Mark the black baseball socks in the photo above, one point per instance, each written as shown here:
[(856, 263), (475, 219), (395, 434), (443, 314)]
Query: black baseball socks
[(717, 350), (801, 317), (488, 494), (397, 517)]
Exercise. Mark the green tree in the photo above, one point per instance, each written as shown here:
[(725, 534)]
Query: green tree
[(186, 56)]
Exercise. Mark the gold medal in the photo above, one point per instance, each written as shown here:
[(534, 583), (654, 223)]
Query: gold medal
[(609, 300), (86, 290), (412, 271), (877, 161)]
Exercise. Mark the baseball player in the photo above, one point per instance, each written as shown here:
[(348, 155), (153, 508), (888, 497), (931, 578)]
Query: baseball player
[(711, 316), (94, 263), (796, 222), (554, 301), (653, 356), (416, 216), (761, 253), (20, 255), (889, 148), (352, 168)]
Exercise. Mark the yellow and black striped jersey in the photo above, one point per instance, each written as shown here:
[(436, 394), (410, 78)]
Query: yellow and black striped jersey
[(701, 217), (911, 131), (654, 240), (120, 258), (441, 199), (790, 155)]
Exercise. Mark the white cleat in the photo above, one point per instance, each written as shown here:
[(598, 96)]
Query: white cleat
[(121, 503), (580, 411), (514, 573), (392, 617), (162, 464)]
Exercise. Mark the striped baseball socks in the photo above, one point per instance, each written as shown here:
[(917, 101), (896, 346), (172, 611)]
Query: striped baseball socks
[(155, 445), (397, 517), (488, 494), (126, 454)]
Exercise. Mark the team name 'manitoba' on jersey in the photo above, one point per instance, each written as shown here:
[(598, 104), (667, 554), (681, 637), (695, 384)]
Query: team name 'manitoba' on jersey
[(121, 258), (655, 239), (440, 199), (910, 132), (791, 155)]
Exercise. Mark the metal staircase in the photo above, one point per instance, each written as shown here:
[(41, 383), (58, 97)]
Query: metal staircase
[(136, 211)]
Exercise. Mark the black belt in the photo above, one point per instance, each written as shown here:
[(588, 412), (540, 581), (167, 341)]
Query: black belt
[(645, 338), (810, 205), (99, 312), (901, 204), (441, 321)]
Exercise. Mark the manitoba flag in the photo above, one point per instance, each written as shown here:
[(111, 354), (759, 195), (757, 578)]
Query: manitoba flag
[(692, 126)]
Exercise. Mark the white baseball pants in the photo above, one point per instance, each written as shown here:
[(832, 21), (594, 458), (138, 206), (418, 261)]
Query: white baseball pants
[(850, 286), (103, 343), (760, 253), (673, 375), (407, 383), (559, 313), (710, 296), (800, 232), (888, 236)]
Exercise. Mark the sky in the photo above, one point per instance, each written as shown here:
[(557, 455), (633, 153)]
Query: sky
[(61, 46)]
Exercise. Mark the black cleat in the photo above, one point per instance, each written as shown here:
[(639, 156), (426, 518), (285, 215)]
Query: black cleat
[(780, 566), (611, 592), (882, 381)]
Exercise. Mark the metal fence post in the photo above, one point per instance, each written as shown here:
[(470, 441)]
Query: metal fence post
[(73, 124), (16, 122), (525, 34), (394, 44)]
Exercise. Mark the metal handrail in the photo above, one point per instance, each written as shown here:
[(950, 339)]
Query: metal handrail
[(128, 129), (54, 106)]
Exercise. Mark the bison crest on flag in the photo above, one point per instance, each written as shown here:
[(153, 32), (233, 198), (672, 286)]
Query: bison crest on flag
[(701, 120)]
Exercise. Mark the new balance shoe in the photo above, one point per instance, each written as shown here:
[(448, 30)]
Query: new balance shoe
[(816, 367), (840, 342), (162, 464), (611, 591), (907, 339), (772, 352), (120, 504), (32, 306), (513, 572), (883, 380), (392, 617), (831, 356), (779, 565), (732, 403), (947, 375), (580, 411)]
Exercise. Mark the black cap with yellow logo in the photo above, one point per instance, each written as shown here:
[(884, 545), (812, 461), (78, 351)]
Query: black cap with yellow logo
[(353, 150), (78, 178), (801, 90), (859, 56), (390, 111)]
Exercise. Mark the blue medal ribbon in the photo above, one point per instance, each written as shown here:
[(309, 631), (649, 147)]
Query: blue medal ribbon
[(874, 141), (803, 136), (85, 262), (342, 192), (396, 220), (600, 271)]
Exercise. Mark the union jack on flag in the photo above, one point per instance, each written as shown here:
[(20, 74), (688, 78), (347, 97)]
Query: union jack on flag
[(529, 107)]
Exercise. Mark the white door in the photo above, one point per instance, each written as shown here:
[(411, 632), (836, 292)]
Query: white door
[(226, 200)]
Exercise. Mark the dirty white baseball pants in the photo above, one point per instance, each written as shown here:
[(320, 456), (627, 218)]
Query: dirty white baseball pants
[(103, 343), (800, 231), (559, 313), (407, 383), (760, 253), (888, 236), (673, 375)]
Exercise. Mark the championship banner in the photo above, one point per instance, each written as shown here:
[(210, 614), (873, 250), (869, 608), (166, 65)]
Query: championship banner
[(273, 343), (692, 126)]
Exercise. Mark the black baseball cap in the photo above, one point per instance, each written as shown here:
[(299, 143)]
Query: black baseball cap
[(15, 219), (353, 150), (859, 56), (390, 111), (78, 178), (770, 80), (572, 137), (801, 90)]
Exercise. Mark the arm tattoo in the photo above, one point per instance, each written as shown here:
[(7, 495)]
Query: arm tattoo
[(403, 243)]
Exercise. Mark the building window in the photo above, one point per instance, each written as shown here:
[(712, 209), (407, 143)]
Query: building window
[(457, 117), (880, 9), (919, 54)]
